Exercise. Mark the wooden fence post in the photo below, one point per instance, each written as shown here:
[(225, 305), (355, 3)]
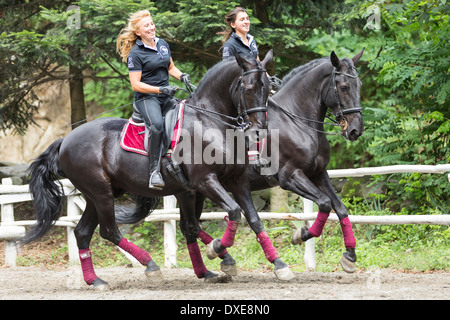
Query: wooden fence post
[(170, 235)]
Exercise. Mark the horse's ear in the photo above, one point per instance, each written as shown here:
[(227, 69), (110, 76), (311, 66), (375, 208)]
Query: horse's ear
[(358, 56), (335, 60), (268, 58), (242, 62)]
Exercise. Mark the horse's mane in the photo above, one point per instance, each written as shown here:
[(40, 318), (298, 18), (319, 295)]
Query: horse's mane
[(304, 69), (307, 67), (213, 72)]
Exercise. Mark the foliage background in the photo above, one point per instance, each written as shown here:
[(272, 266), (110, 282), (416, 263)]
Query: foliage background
[(405, 70)]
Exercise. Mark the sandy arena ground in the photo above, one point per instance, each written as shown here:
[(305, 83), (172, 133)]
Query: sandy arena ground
[(130, 283)]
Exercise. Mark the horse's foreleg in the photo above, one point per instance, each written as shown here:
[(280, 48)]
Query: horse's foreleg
[(213, 189), (301, 185), (228, 265), (243, 197), (349, 257), (190, 228)]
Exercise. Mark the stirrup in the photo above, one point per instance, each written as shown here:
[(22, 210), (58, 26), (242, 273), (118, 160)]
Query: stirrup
[(159, 184)]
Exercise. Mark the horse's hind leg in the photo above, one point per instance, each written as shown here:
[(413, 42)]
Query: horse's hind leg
[(83, 233), (101, 211), (110, 231)]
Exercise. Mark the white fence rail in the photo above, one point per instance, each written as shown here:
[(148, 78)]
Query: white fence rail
[(11, 229)]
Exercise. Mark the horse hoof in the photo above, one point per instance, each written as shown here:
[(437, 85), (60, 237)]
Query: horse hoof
[(100, 285), (301, 235), (284, 274), (219, 279), (348, 265), (153, 272), (210, 252), (229, 269), (211, 277), (297, 237), (153, 275)]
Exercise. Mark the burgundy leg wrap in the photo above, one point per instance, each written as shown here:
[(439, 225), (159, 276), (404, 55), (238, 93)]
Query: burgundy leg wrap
[(87, 266), (228, 237), (317, 227), (197, 261), (206, 239), (269, 250), (142, 256), (349, 238)]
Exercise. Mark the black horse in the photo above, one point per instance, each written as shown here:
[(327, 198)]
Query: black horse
[(92, 159), (296, 115)]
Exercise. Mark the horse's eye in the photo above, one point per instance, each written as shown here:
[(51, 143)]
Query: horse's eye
[(345, 88)]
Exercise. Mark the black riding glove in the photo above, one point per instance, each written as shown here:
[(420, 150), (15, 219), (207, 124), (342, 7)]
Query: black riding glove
[(168, 90), (185, 78)]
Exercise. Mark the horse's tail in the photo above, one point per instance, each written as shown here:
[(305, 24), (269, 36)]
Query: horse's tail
[(47, 194), (144, 206)]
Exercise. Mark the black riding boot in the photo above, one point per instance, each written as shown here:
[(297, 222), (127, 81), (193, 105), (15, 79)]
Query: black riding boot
[(154, 153)]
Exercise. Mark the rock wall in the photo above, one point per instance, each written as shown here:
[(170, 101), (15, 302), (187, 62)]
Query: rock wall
[(53, 122)]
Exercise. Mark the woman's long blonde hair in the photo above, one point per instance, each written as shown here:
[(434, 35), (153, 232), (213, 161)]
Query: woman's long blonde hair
[(127, 37)]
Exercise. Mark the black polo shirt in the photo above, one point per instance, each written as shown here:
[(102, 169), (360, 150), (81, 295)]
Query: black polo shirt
[(235, 44), (154, 64)]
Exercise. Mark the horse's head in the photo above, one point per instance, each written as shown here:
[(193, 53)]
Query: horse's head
[(343, 95), (251, 92)]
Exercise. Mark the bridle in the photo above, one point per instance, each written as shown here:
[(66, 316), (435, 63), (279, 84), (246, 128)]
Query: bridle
[(339, 115), (243, 119)]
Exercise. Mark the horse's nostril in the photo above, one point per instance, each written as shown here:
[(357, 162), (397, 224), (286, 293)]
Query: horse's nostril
[(354, 134)]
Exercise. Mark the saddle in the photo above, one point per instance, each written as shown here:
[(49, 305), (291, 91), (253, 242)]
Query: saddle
[(134, 138)]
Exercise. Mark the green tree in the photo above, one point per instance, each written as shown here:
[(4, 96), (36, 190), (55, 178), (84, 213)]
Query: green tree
[(44, 40), (409, 117), (57, 40)]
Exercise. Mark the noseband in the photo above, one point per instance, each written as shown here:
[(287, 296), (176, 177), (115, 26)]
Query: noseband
[(243, 118)]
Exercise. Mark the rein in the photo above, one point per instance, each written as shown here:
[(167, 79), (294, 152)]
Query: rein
[(242, 119), (339, 115), (295, 117)]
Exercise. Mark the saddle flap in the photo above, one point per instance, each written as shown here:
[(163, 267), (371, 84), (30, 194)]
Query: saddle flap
[(170, 120)]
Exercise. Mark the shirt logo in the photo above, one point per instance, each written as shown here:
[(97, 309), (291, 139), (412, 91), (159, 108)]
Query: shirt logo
[(164, 50), (130, 62), (226, 52)]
